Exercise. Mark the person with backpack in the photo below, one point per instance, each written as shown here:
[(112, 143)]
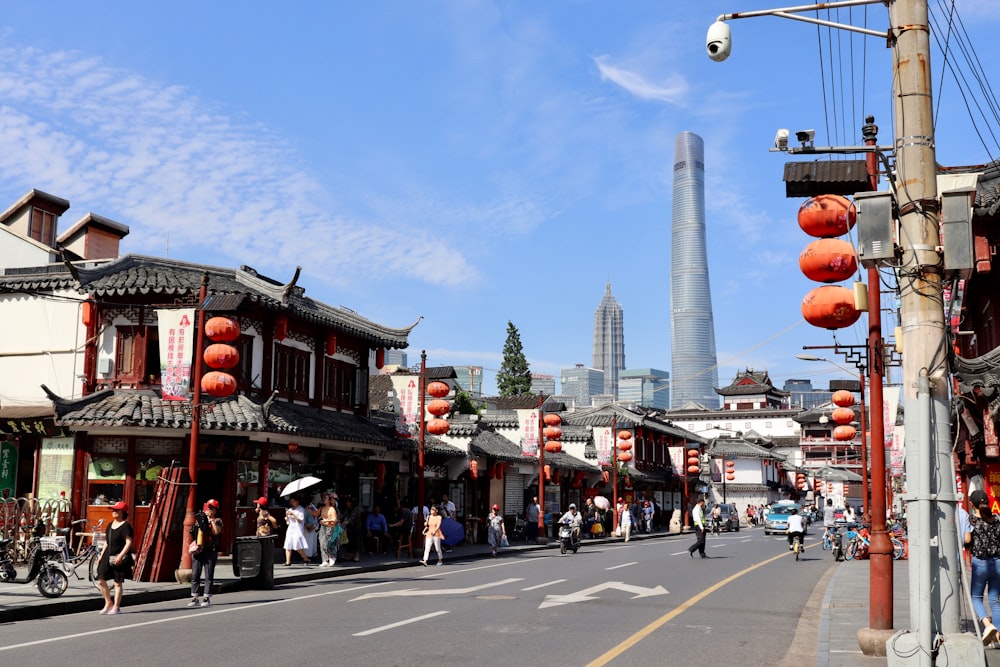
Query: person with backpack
[(983, 537), (206, 537)]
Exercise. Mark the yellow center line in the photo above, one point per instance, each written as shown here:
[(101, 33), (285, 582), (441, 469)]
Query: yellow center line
[(677, 611)]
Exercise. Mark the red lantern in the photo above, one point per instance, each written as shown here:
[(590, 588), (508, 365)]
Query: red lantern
[(281, 327), (843, 433), (218, 384), (439, 407), (578, 479), (625, 456), (474, 469), (552, 432), (693, 470), (829, 487), (828, 260), (624, 446), (491, 472), (553, 446), (830, 307), (730, 476), (438, 389), (693, 460), (843, 415), (605, 476), (221, 355), (87, 313), (624, 435), (222, 329), (548, 473), (843, 398), (438, 426), (730, 464), (380, 357), (552, 419), (499, 471), (331, 345), (293, 447), (379, 474), (826, 216)]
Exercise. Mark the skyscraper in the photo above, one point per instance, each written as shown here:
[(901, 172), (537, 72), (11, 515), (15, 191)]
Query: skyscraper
[(581, 383), (692, 331), (609, 340)]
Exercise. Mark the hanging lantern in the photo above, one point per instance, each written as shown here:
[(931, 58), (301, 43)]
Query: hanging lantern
[(693, 460), (552, 419), (829, 487), (830, 307), (693, 452), (730, 476), (87, 311), (624, 435), (221, 355), (578, 478), (439, 407), (331, 345), (605, 476), (218, 384), (553, 446), (438, 426), (843, 398), (826, 216), (730, 464), (293, 447), (379, 474), (548, 473), (474, 469), (281, 327), (438, 389), (625, 457), (843, 433), (828, 260), (843, 415), (222, 329), (499, 470), (552, 432), (491, 472), (692, 470), (624, 446), (380, 357)]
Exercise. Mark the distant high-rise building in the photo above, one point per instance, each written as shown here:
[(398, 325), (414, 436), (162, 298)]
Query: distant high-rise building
[(395, 358), (692, 332), (581, 383), (543, 384), (609, 340), (804, 396), (644, 387), (470, 379)]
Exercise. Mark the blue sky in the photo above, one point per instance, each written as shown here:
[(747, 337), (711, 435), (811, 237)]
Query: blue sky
[(470, 162)]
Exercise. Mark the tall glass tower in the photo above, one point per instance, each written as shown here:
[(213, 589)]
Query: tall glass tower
[(692, 331), (609, 340)]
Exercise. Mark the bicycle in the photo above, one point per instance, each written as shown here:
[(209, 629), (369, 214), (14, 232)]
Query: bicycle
[(797, 546), (89, 555)]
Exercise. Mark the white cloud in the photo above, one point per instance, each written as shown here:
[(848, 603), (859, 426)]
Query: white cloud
[(672, 90)]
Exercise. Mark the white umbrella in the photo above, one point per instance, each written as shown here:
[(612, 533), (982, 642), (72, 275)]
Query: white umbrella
[(602, 502), (299, 484)]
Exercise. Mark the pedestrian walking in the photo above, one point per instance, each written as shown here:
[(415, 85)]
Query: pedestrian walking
[(647, 516), (626, 522), (205, 552), (115, 562), (984, 537), (496, 533), (328, 525), (531, 515), (432, 536), (698, 522), (295, 536)]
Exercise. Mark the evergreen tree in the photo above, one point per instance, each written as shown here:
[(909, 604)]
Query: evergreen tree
[(514, 378), (464, 403)]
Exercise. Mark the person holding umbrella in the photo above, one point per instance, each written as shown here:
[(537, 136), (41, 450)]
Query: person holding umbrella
[(295, 536)]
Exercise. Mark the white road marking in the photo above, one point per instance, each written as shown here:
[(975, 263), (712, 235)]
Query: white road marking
[(588, 593), (551, 583), (615, 567), (182, 617), (417, 592), (678, 553), (399, 623)]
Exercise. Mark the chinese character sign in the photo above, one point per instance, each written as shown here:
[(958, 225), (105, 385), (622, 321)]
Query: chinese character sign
[(8, 469), (176, 343), (528, 422), (602, 439), (406, 402)]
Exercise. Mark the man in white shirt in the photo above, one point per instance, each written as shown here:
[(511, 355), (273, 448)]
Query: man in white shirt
[(698, 522), (795, 527)]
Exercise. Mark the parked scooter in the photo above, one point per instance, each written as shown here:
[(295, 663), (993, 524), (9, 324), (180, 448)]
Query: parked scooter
[(45, 567), (567, 540), (838, 546)]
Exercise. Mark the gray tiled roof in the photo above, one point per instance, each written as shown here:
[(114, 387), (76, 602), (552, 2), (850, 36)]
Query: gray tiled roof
[(567, 462), (737, 447), (498, 447), (432, 445)]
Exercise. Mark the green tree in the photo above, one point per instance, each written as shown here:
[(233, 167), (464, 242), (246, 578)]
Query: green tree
[(464, 403), (514, 378)]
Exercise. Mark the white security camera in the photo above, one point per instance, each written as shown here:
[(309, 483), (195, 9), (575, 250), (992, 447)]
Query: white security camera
[(805, 136), (719, 44), (781, 139)]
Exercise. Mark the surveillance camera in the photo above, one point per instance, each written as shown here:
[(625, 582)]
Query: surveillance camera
[(781, 139), (718, 43), (805, 136)]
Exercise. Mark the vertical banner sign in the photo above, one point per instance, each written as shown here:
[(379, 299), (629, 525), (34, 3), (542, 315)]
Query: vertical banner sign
[(406, 402), (602, 438), (993, 485), (677, 460), (528, 423), (55, 468), (176, 328), (8, 469)]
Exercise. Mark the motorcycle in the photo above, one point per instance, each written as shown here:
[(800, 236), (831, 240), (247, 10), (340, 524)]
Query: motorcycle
[(566, 540), (838, 546), (45, 559)]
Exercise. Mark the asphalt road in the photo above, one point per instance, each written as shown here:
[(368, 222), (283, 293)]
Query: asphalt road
[(642, 603)]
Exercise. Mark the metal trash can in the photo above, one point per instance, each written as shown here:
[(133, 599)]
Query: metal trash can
[(253, 560)]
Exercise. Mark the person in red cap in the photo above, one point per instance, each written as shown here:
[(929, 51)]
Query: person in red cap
[(115, 560), (496, 533), (205, 552), (267, 525)]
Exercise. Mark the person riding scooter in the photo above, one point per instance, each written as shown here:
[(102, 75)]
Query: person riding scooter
[(575, 521)]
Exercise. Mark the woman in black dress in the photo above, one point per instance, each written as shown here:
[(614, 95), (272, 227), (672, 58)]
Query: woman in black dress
[(116, 558)]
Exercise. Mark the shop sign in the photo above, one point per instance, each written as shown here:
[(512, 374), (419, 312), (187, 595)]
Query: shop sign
[(8, 469), (30, 426)]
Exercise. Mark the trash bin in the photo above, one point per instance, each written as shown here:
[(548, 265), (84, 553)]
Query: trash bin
[(253, 560)]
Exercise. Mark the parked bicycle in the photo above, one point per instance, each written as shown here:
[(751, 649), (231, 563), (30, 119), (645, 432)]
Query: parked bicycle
[(86, 555), (45, 567)]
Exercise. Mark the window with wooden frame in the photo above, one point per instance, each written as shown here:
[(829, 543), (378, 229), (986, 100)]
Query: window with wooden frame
[(42, 227), (338, 383), (246, 382), (291, 372), (137, 355)]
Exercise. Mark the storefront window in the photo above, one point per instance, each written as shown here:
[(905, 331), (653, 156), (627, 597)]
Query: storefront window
[(105, 479), (146, 474)]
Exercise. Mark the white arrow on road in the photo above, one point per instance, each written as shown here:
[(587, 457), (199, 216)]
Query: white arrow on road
[(588, 593), (412, 592)]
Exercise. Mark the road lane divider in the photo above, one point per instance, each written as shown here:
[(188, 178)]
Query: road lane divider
[(398, 624), (547, 583)]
